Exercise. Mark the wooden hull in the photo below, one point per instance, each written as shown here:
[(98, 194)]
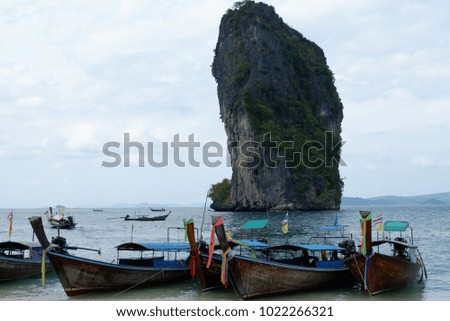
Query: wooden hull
[(384, 272), (80, 276), (147, 219), (255, 277), (15, 269), (211, 274)]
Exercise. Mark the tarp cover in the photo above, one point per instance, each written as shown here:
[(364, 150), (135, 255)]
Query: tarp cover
[(255, 224), (396, 226), (253, 243), (310, 247)]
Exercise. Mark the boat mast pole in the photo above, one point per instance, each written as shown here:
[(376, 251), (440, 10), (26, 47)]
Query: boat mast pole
[(203, 217)]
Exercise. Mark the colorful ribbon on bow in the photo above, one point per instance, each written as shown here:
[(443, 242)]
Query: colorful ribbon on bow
[(212, 241)]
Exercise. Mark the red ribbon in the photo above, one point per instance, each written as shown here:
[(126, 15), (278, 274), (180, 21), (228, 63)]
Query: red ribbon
[(192, 263)]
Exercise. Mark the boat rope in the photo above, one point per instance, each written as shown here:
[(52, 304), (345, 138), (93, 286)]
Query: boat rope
[(236, 289), (203, 217), (424, 269), (147, 279), (362, 277)]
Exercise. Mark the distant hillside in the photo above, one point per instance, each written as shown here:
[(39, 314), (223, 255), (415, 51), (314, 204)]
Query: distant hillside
[(429, 199), (153, 205)]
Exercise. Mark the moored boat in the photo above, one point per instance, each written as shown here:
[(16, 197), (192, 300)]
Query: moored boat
[(63, 223), (152, 266), (19, 260), (157, 209), (58, 220), (146, 218), (255, 277), (206, 265), (379, 272), (209, 278)]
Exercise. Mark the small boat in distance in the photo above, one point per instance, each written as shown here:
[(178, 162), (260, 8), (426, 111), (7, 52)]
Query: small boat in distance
[(19, 260), (157, 209), (147, 218), (58, 220), (97, 210), (147, 265), (379, 272)]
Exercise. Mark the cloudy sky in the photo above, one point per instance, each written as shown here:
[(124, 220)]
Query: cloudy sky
[(75, 75)]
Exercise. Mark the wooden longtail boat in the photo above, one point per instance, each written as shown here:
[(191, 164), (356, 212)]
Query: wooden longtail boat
[(378, 272), (63, 223), (208, 271), (82, 275), (19, 260), (58, 220), (145, 218), (256, 277), (209, 278)]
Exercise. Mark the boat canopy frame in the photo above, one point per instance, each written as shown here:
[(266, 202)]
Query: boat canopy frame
[(322, 233), (153, 248)]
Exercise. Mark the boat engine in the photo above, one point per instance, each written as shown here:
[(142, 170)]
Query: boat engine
[(349, 245), (61, 243), (399, 249)]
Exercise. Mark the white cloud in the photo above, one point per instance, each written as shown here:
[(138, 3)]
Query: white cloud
[(32, 101), (74, 75)]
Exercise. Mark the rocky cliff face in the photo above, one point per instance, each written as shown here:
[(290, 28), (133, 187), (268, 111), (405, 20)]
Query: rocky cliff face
[(281, 111)]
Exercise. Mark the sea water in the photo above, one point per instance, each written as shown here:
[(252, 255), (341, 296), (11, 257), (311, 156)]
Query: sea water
[(106, 229)]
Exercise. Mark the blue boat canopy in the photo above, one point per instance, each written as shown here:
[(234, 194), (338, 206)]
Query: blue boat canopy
[(161, 246), (331, 228), (253, 243), (255, 224), (395, 226)]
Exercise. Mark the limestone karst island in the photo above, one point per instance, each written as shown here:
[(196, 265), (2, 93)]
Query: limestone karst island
[(282, 115)]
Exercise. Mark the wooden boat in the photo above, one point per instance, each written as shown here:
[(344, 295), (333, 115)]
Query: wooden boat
[(58, 220), (256, 277), (157, 209), (209, 278), (63, 223), (19, 260), (146, 218), (80, 275), (208, 271), (378, 272)]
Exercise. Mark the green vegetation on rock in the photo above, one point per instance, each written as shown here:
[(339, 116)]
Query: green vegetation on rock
[(272, 76)]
